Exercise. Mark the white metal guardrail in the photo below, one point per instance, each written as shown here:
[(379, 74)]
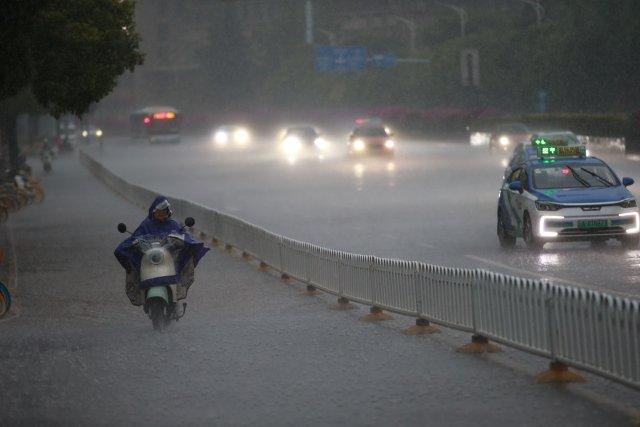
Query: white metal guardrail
[(581, 328)]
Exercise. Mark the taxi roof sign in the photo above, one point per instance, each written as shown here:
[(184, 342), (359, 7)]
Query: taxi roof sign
[(539, 141), (546, 151)]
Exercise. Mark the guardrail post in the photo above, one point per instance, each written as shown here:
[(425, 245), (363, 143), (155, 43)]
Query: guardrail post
[(343, 302), (284, 276), (479, 343), (376, 314), (422, 326), (310, 290), (558, 371)]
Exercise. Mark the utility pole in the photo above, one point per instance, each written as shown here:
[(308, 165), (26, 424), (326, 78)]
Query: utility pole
[(308, 13)]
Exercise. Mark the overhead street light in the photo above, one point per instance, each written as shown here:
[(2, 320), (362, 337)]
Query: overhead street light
[(462, 14), (537, 7), (412, 30)]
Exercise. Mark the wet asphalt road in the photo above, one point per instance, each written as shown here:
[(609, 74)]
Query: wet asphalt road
[(250, 351), (433, 202)]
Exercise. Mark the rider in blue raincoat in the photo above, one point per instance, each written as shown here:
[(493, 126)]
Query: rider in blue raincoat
[(160, 224)]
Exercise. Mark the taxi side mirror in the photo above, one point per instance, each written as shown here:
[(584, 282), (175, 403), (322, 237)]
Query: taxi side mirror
[(515, 186), (626, 181)]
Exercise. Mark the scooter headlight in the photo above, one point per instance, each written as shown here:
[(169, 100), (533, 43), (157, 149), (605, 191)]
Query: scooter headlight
[(156, 257)]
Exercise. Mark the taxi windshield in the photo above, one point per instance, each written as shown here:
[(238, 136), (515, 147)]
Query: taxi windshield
[(573, 176)]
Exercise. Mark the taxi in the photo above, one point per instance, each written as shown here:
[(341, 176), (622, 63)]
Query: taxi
[(563, 195)]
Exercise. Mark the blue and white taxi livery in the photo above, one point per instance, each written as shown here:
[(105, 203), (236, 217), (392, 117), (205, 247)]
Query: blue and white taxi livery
[(562, 195)]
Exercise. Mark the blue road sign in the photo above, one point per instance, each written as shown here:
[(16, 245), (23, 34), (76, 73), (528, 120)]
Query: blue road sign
[(340, 59), (387, 60)]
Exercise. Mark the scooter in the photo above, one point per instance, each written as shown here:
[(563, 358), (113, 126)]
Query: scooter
[(158, 267), (47, 159)]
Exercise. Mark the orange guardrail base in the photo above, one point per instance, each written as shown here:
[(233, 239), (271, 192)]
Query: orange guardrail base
[(263, 266), (228, 248), (311, 291), (479, 345), (558, 372), (214, 242), (343, 304), (285, 278), (246, 256), (422, 327), (376, 314)]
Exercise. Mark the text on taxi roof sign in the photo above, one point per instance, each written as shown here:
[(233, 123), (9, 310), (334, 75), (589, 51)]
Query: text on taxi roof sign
[(562, 151)]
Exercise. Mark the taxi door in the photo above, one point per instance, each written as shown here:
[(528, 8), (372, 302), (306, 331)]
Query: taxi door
[(515, 200)]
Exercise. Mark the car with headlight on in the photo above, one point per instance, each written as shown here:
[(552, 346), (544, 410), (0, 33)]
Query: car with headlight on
[(562, 195), (371, 139), (232, 136), (303, 141), (91, 133), (507, 135)]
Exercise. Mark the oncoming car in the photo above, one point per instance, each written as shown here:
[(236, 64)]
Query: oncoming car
[(507, 135), (371, 139), (91, 132), (300, 141), (564, 196), (238, 136)]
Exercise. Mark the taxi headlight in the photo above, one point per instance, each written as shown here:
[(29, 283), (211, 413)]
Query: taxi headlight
[(541, 206), (636, 225), (542, 230), (358, 145), (630, 203), (389, 143), (504, 141)]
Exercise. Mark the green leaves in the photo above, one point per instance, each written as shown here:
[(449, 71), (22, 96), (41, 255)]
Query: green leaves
[(71, 51)]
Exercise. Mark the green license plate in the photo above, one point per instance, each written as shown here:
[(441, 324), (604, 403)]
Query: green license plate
[(593, 223)]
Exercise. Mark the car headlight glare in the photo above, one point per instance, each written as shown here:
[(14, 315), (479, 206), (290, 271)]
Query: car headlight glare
[(221, 137), (85, 134), (358, 145), (99, 133), (320, 143), (636, 226), (241, 136), (389, 143), (291, 144), (504, 141), (541, 206)]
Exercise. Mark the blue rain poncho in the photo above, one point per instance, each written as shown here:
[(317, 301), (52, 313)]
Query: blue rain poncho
[(130, 257)]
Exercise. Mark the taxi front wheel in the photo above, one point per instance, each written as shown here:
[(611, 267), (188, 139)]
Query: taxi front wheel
[(533, 243), (506, 240)]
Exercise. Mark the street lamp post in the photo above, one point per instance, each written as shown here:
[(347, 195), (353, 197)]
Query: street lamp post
[(462, 14), (412, 30), (537, 7), (308, 13)]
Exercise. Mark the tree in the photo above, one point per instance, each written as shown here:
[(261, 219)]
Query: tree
[(67, 54)]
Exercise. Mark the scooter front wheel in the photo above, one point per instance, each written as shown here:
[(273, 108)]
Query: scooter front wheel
[(156, 313)]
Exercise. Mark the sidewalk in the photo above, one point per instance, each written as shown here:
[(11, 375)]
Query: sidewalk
[(250, 350)]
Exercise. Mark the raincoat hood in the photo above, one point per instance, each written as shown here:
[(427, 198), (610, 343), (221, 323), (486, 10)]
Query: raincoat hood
[(160, 200)]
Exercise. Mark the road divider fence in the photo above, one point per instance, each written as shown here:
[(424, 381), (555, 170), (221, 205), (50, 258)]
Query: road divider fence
[(570, 326)]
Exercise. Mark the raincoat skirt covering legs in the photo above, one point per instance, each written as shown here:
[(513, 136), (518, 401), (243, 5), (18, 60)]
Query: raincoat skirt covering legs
[(130, 257)]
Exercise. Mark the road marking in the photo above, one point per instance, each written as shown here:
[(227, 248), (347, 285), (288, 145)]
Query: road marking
[(426, 245), (550, 278)]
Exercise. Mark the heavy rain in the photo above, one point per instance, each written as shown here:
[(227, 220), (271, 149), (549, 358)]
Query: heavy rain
[(319, 212)]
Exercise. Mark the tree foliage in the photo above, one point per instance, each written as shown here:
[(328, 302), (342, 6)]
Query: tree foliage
[(67, 53)]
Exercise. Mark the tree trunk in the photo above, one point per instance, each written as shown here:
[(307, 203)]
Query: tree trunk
[(8, 144)]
